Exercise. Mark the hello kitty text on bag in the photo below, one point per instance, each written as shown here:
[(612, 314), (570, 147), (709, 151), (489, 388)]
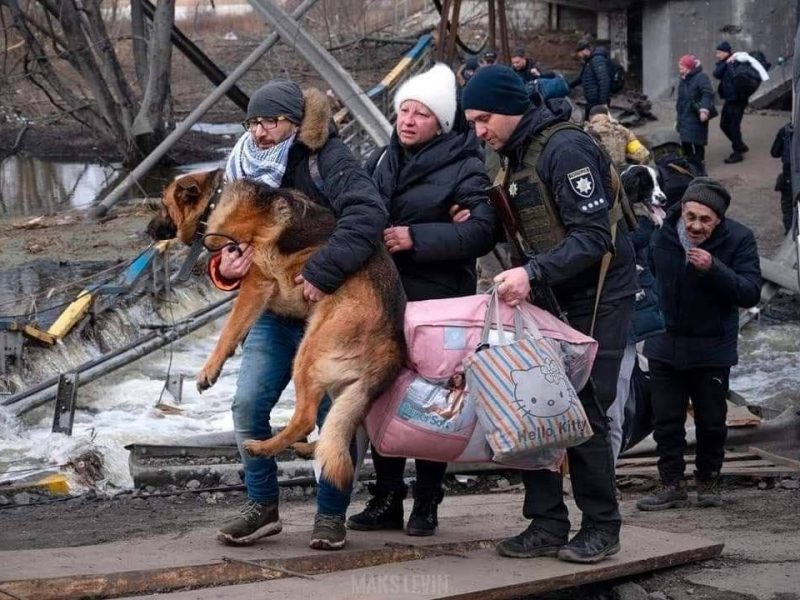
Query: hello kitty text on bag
[(524, 398)]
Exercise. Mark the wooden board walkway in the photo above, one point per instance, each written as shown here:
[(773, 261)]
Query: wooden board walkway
[(460, 562), (753, 463)]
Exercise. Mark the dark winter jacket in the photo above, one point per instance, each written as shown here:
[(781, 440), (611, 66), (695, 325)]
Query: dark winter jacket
[(647, 320), (782, 144), (572, 267), (336, 180), (694, 92), (701, 309), (595, 78), (724, 72), (525, 74), (418, 190)]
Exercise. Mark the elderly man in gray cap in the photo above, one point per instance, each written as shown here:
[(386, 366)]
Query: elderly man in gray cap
[(290, 141), (706, 267)]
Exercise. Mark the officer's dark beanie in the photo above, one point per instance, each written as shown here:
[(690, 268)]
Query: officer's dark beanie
[(709, 192), (724, 46), (496, 89), (279, 97)]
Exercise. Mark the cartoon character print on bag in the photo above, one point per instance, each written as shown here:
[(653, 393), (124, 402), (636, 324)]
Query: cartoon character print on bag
[(542, 392)]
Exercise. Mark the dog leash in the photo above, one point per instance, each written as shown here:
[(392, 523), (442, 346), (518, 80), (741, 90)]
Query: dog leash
[(199, 235)]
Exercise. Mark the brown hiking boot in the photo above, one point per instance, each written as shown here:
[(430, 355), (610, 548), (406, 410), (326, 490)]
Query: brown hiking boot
[(666, 495), (255, 520), (329, 532)]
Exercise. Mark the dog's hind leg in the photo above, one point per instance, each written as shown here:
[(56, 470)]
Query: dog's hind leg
[(308, 395), (333, 447), (246, 309)]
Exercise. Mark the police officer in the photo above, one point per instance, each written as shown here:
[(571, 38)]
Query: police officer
[(559, 185)]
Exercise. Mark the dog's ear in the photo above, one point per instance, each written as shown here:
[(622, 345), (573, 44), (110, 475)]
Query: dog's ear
[(282, 210), (188, 189)]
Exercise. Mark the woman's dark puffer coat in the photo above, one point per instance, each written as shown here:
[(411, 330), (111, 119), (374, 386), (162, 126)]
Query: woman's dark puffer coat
[(419, 188)]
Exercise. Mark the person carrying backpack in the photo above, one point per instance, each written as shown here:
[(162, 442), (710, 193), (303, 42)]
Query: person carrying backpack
[(733, 108), (595, 76)]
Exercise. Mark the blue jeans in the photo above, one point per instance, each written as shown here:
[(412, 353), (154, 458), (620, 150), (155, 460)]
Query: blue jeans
[(265, 371)]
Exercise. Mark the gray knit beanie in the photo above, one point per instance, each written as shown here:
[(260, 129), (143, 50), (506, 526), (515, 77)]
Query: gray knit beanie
[(709, 192), (279, 97)]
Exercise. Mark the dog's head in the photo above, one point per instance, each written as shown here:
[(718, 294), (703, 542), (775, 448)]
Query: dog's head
[(642, 188), (183, 203)]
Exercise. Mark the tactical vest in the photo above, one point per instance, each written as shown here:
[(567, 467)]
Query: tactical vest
[(530, 197)]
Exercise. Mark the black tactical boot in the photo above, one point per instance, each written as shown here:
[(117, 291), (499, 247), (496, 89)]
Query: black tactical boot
[(384, 510), (424, 517), (531, 543), (666, 495), (735, 157), (708, 494), (590, 545)]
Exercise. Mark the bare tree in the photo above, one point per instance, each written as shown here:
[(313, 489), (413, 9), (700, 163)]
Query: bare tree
[(71, 57)]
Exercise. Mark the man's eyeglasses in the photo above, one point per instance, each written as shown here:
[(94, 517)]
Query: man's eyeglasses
[(266, 123)]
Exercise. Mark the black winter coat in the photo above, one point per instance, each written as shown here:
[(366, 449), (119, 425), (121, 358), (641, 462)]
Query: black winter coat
[(694, 92), (647, 320), (572, 267), (418, 190), (338, 182), (595, 78), (701, 309), (724, 72)]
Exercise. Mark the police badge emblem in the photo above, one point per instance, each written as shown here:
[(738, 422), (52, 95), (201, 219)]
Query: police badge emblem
[(582, 182)]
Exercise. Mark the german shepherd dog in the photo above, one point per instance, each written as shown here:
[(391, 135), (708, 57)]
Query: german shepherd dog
[(353, 346)]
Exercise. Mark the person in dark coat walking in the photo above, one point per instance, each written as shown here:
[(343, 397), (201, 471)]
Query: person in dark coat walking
[(560, 187), (432, 180), (694, 108), (595, 76), (706, 268), (730, 120), (781, 148)]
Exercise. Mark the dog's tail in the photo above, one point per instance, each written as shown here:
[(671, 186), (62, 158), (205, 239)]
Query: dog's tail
[(333, 447)]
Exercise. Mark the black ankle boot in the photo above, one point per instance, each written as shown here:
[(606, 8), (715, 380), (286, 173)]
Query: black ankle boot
[(384, 510), (424, 517)]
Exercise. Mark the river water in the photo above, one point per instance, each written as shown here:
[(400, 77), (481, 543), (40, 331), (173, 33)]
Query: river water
[(119, 409)]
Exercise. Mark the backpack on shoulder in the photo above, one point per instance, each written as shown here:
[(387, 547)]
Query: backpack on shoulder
[(617, 74)]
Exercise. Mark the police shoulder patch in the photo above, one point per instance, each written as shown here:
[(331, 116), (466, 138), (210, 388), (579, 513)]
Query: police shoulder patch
[(582, 182)]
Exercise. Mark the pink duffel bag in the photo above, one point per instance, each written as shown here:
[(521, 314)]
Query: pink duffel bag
[(427, 412), (441, 333)]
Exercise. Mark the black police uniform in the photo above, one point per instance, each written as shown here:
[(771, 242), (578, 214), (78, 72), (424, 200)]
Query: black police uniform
[(574, 173)]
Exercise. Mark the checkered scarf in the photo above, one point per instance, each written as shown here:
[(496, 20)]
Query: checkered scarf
[(248, 161)]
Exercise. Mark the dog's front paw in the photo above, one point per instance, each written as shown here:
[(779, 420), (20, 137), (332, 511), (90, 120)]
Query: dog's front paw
[(205, 379), (255, 448)]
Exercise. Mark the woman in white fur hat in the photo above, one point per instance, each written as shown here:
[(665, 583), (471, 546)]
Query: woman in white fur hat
[(432, 179)]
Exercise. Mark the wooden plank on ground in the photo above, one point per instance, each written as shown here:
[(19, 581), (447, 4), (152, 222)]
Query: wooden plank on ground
[(776, 458), (481, 575), (641, 461)]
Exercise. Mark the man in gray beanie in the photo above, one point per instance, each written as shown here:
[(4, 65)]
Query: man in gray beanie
[(706, 268), (560, 190), (289, 142)]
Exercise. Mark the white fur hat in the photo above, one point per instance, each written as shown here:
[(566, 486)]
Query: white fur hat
[(436, 89)]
